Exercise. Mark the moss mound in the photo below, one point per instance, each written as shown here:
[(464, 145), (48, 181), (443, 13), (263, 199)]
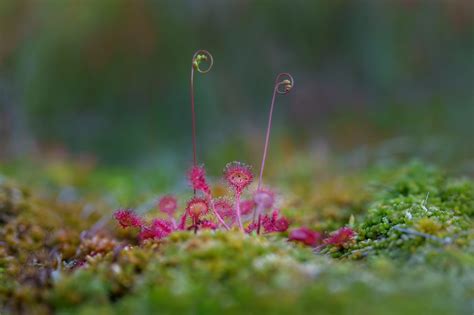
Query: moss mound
[(228, 272), (417, 214), (413, 254)]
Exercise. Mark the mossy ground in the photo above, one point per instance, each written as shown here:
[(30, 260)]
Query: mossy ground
[(413, 253)]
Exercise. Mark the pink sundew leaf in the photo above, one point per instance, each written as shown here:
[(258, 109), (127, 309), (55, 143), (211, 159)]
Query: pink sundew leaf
[(225, 210), (340, 237), (158, 229), (197, 207), (197, 179), (168, 204), (182, 222), (128, 218), (306, 236), (275, 223), (253, 226), (264, 198), (238, 175), (207, 224), (247, 206)]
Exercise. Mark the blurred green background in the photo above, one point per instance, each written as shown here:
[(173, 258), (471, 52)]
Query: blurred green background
[(108, 80)]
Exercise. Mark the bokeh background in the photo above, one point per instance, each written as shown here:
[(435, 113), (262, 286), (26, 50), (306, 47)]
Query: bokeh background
[(107, 81)]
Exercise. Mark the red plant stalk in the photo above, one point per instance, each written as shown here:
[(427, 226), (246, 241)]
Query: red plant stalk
[(264, 199), (287, 85), (182, 221), (195, 225), (237, 210), (282, 86), (259, 212), (256, 213), (173, 221), (259, 223), (213, 209)]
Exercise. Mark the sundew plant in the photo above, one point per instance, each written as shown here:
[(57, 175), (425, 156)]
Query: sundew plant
[(257, 213)]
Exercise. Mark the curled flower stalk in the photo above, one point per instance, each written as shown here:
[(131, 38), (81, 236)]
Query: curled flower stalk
[(199, 57), (284, 82)]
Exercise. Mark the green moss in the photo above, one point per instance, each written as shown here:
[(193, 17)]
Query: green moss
[(35, 234), (212, 273), (414, 251), (416, 209)]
